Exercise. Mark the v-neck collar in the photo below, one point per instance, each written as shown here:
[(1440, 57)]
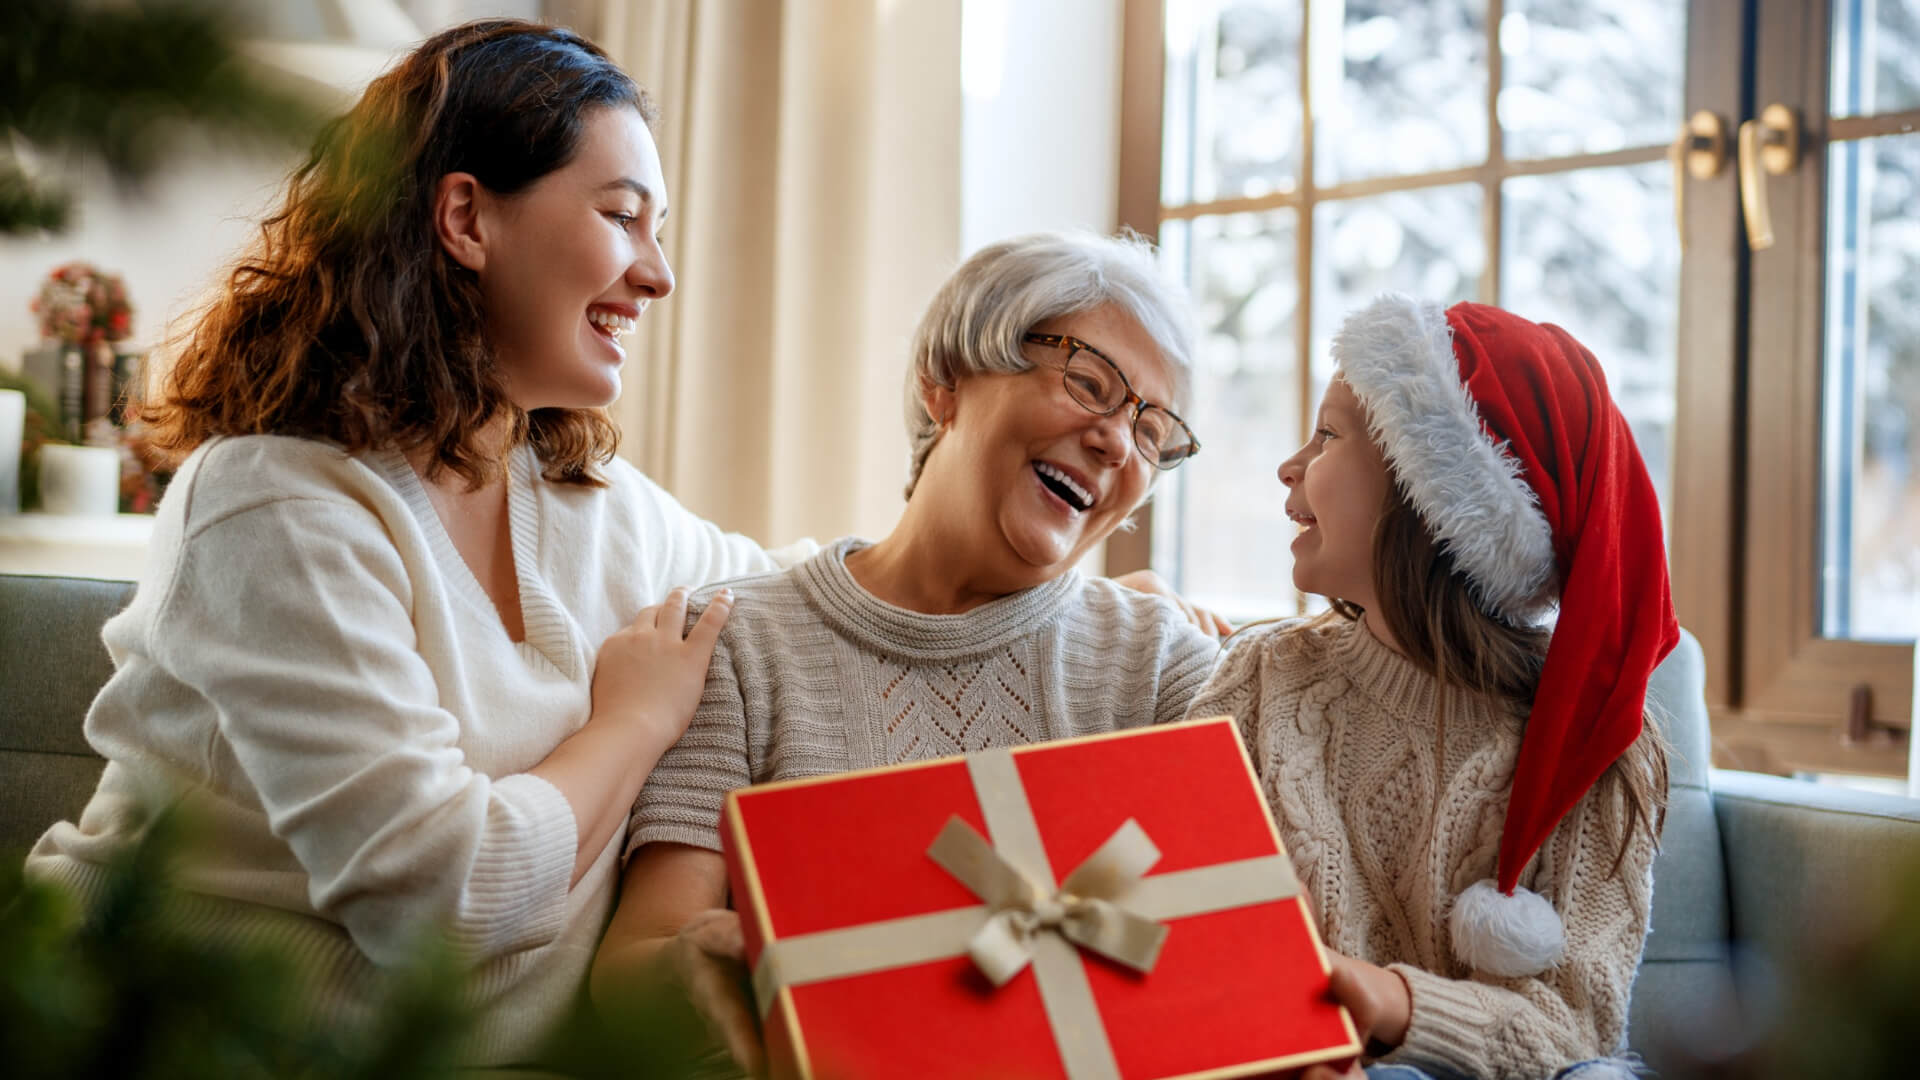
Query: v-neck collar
[(545, 624)]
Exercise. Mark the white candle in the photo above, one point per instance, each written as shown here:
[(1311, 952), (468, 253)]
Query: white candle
[(13, 428), (81, 480)]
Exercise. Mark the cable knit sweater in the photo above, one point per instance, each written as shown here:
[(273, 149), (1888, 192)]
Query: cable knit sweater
[(1389, 814), (310, 668), (814, 675)]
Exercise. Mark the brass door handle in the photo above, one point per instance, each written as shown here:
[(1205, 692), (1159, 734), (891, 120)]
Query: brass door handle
[(1770, 142), (1699, 151)]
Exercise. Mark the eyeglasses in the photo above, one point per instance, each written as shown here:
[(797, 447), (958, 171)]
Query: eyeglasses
[(1097, 384)]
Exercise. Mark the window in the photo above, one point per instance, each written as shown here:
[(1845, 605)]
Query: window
[(1297, 157)]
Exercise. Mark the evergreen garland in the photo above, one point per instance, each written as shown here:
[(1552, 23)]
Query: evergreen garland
[(121, 83)]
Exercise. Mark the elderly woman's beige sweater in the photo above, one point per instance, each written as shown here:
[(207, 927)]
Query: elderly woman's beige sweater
[(814, 675), (1389, 814)]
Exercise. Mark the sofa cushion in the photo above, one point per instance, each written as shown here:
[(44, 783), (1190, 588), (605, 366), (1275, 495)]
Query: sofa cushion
[(1684, 970), (1802, 857), (52, 663)]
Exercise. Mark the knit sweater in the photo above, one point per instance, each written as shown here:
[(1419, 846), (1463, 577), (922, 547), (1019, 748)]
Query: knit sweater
[(815, 675), (310, 669), (1388, 814)]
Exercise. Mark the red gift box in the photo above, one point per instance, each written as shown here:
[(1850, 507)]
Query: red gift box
[(1128, 892)]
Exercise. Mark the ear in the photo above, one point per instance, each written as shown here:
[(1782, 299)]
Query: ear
[(939, 401), (456, 219)]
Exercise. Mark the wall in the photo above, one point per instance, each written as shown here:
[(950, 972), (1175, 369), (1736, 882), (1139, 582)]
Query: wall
[(1040, 133)]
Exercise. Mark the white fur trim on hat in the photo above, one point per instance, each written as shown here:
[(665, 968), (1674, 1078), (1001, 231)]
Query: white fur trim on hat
[(1397, 354), (1510, 936)]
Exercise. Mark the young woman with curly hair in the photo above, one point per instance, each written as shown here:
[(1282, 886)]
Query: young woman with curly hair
[(400, 649)]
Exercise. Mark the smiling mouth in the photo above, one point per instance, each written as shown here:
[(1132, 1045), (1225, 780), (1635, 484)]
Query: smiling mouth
[(1302, 519), (1070, 492), (611, 325)]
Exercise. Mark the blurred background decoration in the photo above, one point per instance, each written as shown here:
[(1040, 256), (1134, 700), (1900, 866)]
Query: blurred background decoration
[(80, 381), (120, 83), (125, 88)]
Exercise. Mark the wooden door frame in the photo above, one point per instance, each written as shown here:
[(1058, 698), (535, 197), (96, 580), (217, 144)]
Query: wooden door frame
[(1142, 108), (1798, 686), (1704, 551)]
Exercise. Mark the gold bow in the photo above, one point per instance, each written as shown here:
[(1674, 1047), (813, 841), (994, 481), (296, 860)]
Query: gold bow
[(1086, 910)]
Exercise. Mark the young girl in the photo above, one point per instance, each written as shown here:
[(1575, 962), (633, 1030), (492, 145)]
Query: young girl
[(1471, 798)]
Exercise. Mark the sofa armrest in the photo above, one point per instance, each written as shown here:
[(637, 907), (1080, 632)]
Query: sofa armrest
[(1802, 856)]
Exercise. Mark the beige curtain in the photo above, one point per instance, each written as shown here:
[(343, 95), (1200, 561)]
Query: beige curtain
[(812, 153)]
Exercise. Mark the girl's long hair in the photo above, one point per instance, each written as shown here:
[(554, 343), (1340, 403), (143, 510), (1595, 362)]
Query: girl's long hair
[(1425, 604), (346, 320)]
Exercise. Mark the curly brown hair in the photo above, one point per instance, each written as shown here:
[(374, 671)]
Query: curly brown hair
[(346, 320)]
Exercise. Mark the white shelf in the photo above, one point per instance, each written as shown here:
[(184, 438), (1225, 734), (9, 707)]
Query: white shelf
[(113, 548)]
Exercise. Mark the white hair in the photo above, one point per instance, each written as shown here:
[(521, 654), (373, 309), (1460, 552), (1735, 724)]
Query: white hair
[(976, 322)]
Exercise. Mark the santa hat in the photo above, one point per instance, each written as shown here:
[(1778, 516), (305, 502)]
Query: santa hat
[(1502, 436)]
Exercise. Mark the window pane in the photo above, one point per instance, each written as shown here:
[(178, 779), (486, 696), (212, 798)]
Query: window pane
[(1220, 523), (1870, 494), (1425, 243), (1874, 46), (1232, 123), (1586, 78), (1399, 87), (1595, 251)]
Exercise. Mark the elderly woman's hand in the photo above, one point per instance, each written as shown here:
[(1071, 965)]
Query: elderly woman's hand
[(1147, 581), (707, 961)]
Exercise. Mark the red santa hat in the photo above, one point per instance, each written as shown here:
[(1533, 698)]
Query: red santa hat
[(1502, 436)]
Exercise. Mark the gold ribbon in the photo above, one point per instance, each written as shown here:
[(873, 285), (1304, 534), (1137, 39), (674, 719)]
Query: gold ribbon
[(1106, 905), (1085, 910)]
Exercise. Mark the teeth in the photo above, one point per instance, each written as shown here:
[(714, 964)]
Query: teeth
[(611, 322), (1300, 519), (1085, 496)]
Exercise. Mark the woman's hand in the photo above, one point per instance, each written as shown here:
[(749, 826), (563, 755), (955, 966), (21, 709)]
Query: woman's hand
[(1147, 581), (707, 961), (1381, 1006), (647, 682), (650, 674)]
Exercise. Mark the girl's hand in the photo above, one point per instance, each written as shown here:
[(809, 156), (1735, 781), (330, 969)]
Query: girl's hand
[(1381, 1006), (650, 675), (1147, 581), (707, 960)]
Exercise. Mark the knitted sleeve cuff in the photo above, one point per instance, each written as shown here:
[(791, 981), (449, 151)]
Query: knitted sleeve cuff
[(516, 893), (1449, 1024), (657, 831)]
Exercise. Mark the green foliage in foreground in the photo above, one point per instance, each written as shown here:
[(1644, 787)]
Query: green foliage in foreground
[(118, 992)]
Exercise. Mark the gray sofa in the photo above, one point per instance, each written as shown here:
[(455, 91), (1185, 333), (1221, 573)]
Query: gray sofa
[(1748, 863)]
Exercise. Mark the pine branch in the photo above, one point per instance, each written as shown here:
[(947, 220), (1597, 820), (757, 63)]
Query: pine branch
[(122, 83), (27, 207)]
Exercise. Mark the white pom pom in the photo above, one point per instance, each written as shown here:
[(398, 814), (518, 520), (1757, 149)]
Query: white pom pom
[(1510, 936)]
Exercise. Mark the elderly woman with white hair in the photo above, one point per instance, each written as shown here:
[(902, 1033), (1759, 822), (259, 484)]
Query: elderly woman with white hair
[(1048, 376)]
